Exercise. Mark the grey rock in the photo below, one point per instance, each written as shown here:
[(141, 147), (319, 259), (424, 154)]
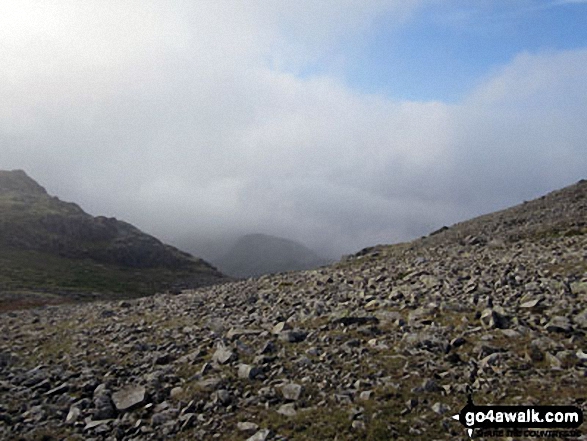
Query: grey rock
[(288, 410), (491, 319), (72, 415), (559, 324), (280, 327), (358, 425), (294, 336), (129, 398), (210, 384), (291, 391), (103, 408), (224, 355), (365, 395), (440, 408), (223, 397), (247, 426), (176, 393), (248, 372), (581, 319), (261, 435)]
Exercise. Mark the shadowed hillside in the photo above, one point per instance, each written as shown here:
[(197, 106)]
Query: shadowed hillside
[(53, 247), (258, 254)]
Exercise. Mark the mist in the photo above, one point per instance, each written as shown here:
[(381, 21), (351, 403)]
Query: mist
[(199, 123)]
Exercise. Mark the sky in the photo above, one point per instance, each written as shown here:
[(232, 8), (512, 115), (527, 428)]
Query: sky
[(338, 123)]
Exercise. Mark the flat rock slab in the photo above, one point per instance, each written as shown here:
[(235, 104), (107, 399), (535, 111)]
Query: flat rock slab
[(128, 397)]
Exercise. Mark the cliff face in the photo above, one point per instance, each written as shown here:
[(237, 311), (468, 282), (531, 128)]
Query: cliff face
[(34, 223)]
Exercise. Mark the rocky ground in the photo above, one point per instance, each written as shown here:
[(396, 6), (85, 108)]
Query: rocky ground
[(382, 345)]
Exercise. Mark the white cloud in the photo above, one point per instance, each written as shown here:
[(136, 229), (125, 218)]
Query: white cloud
[(176, 116)]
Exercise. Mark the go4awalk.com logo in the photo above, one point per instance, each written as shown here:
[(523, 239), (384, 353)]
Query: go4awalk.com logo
[(526, 421)]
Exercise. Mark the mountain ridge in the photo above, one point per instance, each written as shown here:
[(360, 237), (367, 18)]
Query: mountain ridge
[(37, 227)]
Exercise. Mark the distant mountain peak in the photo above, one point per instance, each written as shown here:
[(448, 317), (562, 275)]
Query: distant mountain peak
[(257, 254), (19, 182)]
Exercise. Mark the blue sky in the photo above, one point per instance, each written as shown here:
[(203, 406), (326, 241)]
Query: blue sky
[(441, 52), (339, 123)]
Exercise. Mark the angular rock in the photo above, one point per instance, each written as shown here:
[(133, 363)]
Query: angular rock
[(559, 324), (261, 435), (291, 391), (247, 426), (224, 355), (491, 319), (280, 327), (129, 397), (288, 410), (294, 336), (248, 372)]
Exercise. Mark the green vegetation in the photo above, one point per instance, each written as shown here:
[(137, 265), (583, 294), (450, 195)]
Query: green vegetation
[(33, 270)]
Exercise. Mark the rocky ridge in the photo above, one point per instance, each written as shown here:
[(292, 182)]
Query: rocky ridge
[(383, 345)]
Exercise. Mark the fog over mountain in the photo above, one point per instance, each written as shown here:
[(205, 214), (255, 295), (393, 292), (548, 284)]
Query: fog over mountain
[(216, 119), (257, 254)]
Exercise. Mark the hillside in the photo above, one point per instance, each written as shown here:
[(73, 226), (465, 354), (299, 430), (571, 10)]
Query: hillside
[(383, 345), (257, 254), (53, 250)]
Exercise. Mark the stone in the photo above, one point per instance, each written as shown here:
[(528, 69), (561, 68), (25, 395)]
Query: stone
[(358, 425), (187, 420), (491, 319), (248, 372), (176, 393), (223, 355), (288, 409), (294, 336), (128, 398), (268, 348), (559, 324), (440, 408), (210, 384), (223, 397), (72, 415), (57, 390), (247, 426), (97, 423), (160, 418), (490, 360), (261, 435), (103, 408), (532, 303), (280, 327), (430, 386), (291, 391), (553, 361), (581, 319), (365, 395)]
